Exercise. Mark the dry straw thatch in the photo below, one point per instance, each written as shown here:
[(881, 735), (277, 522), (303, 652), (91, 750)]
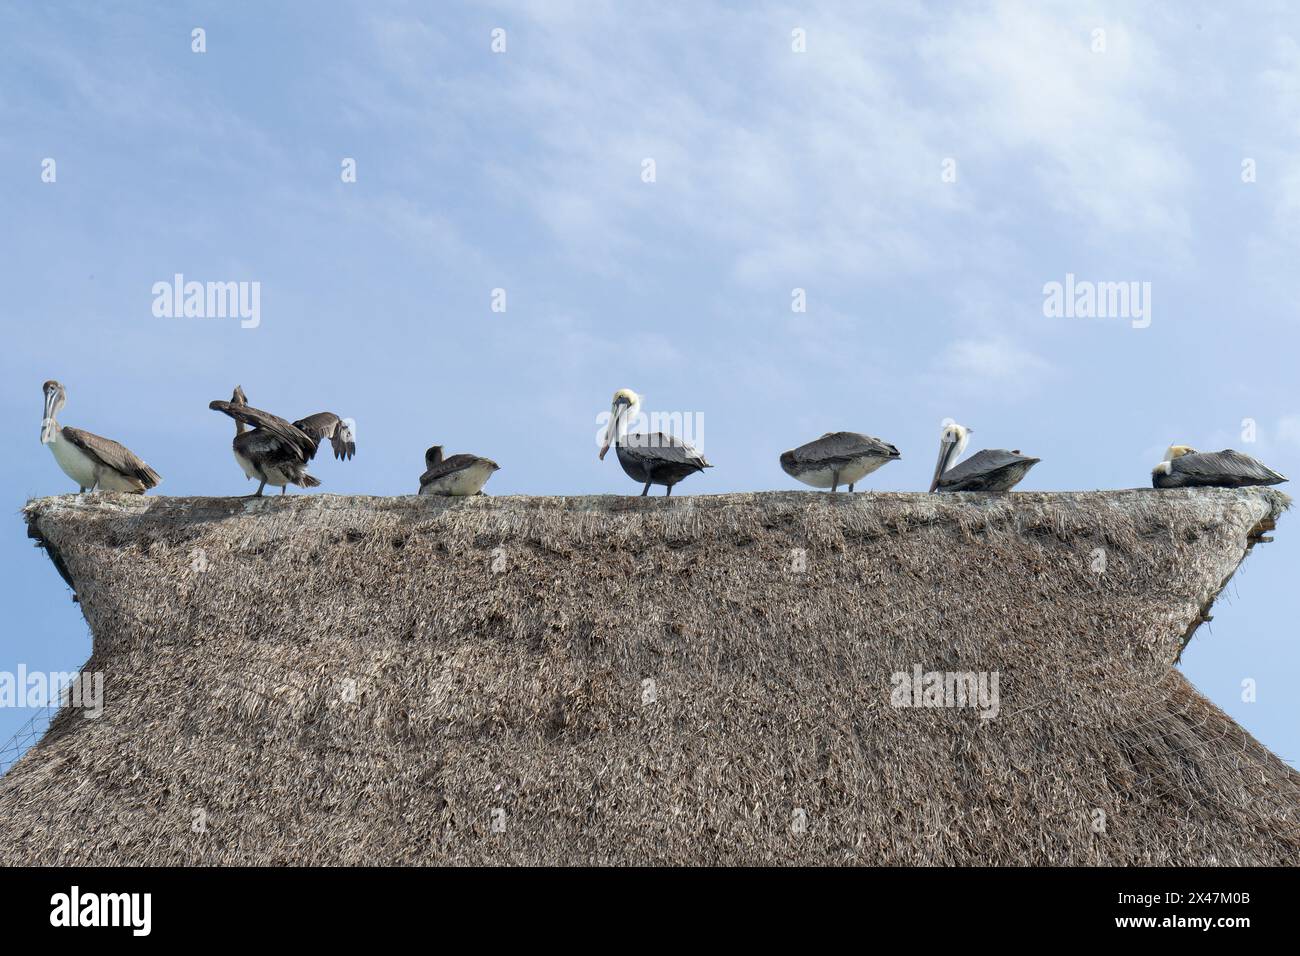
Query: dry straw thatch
[(329, 680)]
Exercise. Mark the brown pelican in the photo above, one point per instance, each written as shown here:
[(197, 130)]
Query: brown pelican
[(276, 452), (837, 458), (654, 458), (987, 470), (458, 475), (1185, 467), (94, 463)]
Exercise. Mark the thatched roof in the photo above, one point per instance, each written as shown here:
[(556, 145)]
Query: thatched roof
[(379, 680)]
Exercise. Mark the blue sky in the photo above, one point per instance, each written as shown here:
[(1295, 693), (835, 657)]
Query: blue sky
[(1116, 161)]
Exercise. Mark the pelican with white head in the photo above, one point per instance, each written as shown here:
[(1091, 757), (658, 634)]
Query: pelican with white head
[(1185, 467), (990, 469), (624, 409), (650, 457)]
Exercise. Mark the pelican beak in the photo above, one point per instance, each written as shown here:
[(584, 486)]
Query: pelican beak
[(47, 421), (946, 448), (611, 430)]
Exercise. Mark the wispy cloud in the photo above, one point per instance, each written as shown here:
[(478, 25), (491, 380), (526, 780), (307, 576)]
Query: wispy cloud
[(823, 167), (979, 362), (829, 162), (1075, 100), (1274, 244)]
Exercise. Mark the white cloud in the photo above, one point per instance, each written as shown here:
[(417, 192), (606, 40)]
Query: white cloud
[(1084, 124), (981, 361), (828, 162), (802, 165), (1275, 244)]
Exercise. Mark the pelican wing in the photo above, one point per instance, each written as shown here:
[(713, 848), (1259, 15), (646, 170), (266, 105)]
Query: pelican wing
[(654, 447), (328, 425), (843, 446), (453, 464), (112, 455), (1227, 468), (303, 445), (980, 464)]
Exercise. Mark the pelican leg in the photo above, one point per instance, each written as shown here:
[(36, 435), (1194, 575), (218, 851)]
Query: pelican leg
[(646, 490), (835, 482), (669, 491), (283, 489), (851, 487), (258, 492)]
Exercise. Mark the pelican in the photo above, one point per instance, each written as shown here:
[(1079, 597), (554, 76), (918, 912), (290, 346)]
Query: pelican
[(94, 463), (276, 452), (459, 475), (837, 458), (987, 470), (654, 458), (1185, 467)]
